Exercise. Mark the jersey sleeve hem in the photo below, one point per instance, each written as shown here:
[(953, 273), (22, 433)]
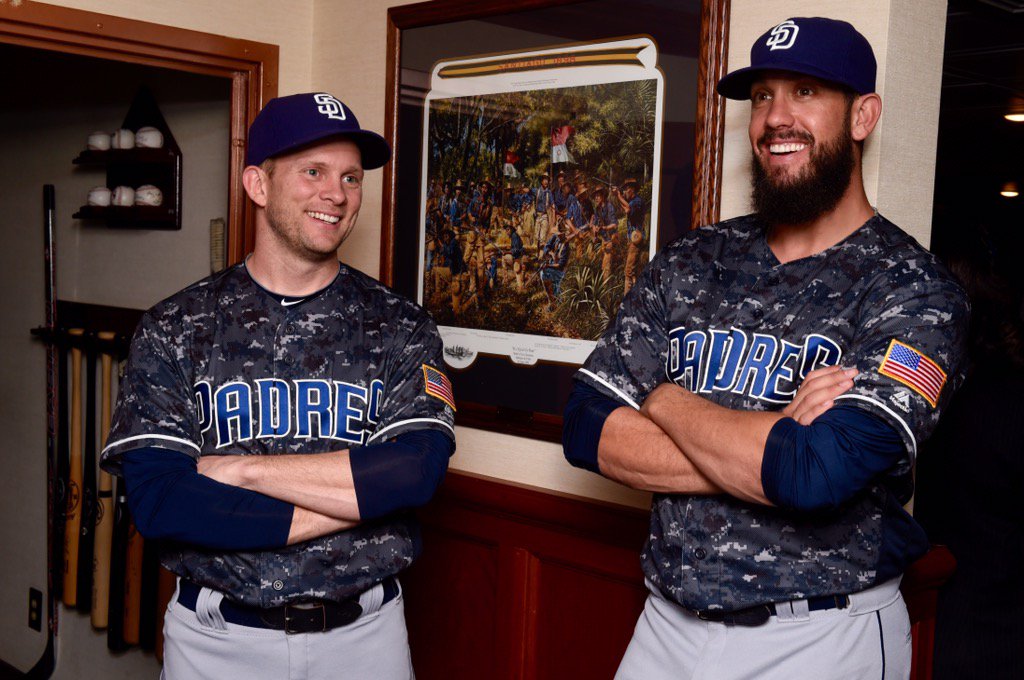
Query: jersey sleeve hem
[(890, 415), (110, 458), (401, 426), (592, 377)]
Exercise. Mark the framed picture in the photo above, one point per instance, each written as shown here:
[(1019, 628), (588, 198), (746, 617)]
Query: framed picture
[(544, 151)]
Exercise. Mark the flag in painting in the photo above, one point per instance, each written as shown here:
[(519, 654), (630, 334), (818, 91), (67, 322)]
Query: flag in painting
[(905, 364), (511, 161), (559, 139), (437, 385)]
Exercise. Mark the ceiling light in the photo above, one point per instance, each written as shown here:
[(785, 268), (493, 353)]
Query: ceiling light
[(1016, 110), (1010, 190)]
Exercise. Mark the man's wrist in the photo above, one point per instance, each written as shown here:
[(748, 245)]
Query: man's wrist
[(658, 403)]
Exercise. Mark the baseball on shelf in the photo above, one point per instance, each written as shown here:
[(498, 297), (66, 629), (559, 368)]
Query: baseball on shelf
[(99, 196), (122, 139), (98, 141), (149, 138), (148, 194), (124, 196)]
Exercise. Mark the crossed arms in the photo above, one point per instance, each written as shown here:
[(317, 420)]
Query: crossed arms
[(255, 502), (679, 442)]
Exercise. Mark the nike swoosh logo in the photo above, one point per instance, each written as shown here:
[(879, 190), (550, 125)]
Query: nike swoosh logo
[(289, 303)]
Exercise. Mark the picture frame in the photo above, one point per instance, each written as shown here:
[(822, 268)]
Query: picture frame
[(494, 392)]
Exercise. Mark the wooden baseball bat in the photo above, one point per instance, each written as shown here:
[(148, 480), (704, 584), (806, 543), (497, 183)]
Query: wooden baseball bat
[(73, 508), (148, 596), (86, 542), (105, 502), (133, 585), (166, 583), (118, 557), (60, 500)]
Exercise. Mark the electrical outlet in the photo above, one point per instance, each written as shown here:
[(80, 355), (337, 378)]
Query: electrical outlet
[(35, 609)]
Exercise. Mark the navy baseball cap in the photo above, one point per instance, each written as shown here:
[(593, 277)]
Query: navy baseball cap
[(289, 123), (828, 49)]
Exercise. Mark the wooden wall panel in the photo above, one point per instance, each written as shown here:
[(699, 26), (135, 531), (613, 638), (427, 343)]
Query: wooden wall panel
[(451, 600), (587, 621), (518, 583)]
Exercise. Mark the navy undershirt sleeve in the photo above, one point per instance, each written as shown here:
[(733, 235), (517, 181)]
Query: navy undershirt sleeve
[(585, 413), (169, 499), (399, 474), (821, 465)]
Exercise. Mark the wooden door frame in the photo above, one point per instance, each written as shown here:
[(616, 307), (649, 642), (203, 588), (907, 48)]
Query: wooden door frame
[(252, 68)]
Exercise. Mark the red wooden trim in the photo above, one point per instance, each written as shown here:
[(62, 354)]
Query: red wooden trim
[(710, 123), (392, 97), (444, 11)]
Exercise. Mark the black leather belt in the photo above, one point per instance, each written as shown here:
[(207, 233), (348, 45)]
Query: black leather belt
[(305, 617), (758, 615)]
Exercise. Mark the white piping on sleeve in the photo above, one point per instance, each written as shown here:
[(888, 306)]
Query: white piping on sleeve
[(377, 434), (899, 419), (151, 436), (622, 395)]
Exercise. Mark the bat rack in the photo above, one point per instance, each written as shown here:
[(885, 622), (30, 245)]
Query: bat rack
[(92, 319), (87, 342)]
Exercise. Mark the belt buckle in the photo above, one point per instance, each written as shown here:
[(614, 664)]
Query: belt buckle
[(311, 607), (713, 615)]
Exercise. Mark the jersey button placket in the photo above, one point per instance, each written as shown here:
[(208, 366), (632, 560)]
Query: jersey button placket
[(284, 359)]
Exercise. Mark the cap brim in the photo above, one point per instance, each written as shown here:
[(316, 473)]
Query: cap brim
[(374, 149), (737, 84)]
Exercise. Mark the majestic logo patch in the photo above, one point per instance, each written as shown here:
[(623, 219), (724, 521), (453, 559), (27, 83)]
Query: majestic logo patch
[(901, 400), (329, 106), (436, 384), (905, 364), (783, 36)]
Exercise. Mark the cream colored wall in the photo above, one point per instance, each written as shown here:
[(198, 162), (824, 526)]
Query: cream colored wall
[(907, 37), (287, 23), (899, 161)]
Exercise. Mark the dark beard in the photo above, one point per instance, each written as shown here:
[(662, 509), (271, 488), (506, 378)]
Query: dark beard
[(815, 192)]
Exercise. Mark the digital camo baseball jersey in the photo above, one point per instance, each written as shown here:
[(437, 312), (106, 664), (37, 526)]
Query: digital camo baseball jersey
[(223, 367), (716, 313)]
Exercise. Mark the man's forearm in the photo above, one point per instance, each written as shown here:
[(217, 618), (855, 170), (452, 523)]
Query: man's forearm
[(637, 452), (319, 482), (307, 525), (725, 445)]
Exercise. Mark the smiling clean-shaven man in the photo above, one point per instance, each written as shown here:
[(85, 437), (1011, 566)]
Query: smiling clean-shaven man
[(279, 420)]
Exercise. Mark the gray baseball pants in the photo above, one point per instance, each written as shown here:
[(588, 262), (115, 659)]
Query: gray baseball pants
[(200, 645), (868, 639)]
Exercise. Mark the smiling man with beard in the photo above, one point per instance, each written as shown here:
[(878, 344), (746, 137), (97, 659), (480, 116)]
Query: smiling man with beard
[(277, 423), (770, 378)]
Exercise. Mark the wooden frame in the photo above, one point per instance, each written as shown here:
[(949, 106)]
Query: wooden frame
[(252, 68), (709, 127)]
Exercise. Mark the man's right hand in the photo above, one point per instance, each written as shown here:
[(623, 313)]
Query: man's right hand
[(817, 392)]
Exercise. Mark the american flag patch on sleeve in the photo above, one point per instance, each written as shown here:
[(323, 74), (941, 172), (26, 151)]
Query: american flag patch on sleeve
[(436, 384), (905, 364)]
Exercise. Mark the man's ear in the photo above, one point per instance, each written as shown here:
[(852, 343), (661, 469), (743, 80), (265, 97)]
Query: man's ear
[(255, 180), (866, 111)]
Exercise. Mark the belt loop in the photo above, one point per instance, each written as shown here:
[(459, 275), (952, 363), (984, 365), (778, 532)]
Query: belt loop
[(372, 599), (208, 609), (784, 611), (801, 610)]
